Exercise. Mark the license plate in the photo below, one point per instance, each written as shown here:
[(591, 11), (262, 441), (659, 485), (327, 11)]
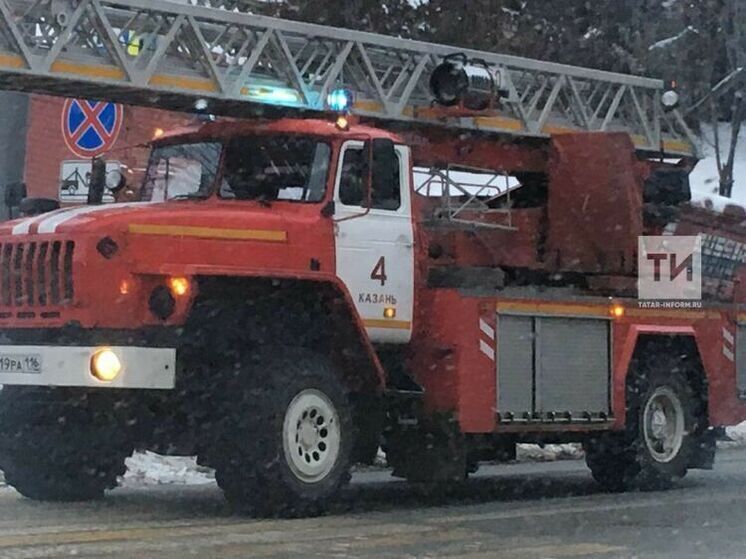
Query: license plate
[(23, 363)]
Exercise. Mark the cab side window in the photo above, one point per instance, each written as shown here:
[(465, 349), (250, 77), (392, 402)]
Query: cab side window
[(353, 183)]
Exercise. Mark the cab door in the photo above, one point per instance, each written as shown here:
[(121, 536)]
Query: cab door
[(375, 241)]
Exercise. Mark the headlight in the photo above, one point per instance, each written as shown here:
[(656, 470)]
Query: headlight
[(105, 365)]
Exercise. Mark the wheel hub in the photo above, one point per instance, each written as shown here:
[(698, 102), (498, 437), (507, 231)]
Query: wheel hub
[(663, 423), (308, 436), (659, 424), (311, 435)]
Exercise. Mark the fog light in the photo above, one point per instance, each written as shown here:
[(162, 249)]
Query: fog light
[(161, 303), (105, 365)]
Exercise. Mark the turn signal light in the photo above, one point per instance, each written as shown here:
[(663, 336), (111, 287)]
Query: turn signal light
[(105, 365), (125, 287), (179, 286), (343, 123), (617, 311)]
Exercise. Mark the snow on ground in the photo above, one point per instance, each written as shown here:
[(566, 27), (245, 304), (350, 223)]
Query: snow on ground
[(737, 434), (704, 179), (549, 452), (148, 468)]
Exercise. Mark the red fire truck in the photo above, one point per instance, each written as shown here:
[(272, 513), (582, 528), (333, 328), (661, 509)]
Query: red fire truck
[(280, 296)]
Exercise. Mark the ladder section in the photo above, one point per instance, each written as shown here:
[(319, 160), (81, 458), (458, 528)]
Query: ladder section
[(179, 55)]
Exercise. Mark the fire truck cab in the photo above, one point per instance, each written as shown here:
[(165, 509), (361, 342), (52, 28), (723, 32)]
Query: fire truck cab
[(288, 239)]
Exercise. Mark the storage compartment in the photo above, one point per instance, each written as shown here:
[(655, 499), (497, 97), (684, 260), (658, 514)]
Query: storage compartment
[(553, 368)]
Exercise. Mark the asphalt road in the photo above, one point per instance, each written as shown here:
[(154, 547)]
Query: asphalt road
[(529, 511)]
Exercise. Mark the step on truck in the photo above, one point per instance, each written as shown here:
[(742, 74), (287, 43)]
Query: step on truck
[(442, 263)]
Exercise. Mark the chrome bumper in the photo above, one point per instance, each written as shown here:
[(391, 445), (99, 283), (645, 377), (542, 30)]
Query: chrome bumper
[(144, 368)]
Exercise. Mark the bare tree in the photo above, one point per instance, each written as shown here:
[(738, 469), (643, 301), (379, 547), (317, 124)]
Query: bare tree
[(731, 101)]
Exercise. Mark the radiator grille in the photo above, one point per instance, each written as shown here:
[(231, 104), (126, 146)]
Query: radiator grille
[(36, 274)]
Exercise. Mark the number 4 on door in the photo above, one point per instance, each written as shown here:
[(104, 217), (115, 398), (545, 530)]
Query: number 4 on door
[(379, 272)]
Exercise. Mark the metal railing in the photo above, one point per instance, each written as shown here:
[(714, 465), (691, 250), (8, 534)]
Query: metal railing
[(170, 55)]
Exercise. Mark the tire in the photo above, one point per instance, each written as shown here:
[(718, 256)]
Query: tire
[(286, 447), (665, 420), (611, 461), (65, 457), (666, 424)]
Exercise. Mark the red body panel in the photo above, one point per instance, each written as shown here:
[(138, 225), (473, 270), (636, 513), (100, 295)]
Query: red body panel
[(456, 376), (459, 377), (594, 210)]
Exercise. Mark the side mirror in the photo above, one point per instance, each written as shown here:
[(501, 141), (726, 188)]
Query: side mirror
[(329, 209), (115, 181), (14, 193)]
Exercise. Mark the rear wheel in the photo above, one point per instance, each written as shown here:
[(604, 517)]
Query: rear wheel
[(664, 425), (286, 446)]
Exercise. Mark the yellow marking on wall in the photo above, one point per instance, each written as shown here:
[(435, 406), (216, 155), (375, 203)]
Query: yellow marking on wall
[(88, 70), (11, 61), (196, 84), (553, 308), (210, 232), (388, 324)]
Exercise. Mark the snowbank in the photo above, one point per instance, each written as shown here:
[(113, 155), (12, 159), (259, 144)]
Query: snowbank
[(549, 452), (704, 179), (148, 468), (737, 434)]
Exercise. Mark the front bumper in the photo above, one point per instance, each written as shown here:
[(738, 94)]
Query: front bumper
[(50, 365)]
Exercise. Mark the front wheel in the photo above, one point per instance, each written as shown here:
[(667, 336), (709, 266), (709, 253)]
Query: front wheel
[(286, 447), (51, 450)]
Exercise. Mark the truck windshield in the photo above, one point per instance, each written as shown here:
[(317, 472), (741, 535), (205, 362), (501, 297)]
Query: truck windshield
[(275, 167), (181, 171)]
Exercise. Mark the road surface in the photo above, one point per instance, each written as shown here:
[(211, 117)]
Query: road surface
[(521, 511)]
